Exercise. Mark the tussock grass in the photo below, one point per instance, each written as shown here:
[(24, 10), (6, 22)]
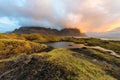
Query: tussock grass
[(33, 37), (59, 64), (11, 47), (83, 69), (110, 64)]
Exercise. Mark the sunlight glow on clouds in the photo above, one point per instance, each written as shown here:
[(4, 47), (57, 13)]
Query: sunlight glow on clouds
[(87, 15)]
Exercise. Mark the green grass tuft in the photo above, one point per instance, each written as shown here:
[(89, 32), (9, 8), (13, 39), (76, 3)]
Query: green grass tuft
[(83, 69)]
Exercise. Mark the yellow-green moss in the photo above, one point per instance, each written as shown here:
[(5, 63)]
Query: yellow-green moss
[(83, 69)]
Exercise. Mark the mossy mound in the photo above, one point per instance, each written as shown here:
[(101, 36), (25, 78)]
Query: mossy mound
[(59, 64), (82, 68), (34, 68), (11, 47)]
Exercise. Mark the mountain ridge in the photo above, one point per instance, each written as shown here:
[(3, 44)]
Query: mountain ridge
[(49, 31)]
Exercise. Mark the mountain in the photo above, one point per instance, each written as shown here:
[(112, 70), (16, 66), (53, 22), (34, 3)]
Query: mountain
[(49, 31)]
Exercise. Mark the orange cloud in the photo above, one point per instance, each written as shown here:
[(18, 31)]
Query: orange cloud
[(113, 25)]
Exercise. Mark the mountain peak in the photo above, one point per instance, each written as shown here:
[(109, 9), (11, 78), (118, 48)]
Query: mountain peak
[(49, 31)]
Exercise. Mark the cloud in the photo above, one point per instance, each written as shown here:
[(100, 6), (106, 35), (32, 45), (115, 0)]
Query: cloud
[(87, 15), (7, 24)]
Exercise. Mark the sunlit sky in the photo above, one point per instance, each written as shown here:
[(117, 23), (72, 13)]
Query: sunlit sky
[(87, 15)]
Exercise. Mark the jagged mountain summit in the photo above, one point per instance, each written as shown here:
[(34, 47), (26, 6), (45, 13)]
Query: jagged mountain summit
[(49, 31)]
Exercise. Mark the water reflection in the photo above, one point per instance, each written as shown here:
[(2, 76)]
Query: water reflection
[(65, 45)]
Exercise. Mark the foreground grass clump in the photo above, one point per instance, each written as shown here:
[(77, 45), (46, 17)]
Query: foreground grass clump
[(26, 67), (109, 63), (83, 69), (59, 64), (105, 56), (11, 47)]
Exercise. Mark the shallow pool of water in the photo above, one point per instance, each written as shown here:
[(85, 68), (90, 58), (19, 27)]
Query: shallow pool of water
[(65, 45)]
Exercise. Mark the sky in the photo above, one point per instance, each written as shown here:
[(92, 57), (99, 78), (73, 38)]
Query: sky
[(86, 15)]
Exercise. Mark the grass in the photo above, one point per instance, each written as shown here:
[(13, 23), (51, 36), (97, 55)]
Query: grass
[(83, 69), (58, 64), (11, 47), (33, 67), (112, 45), (106, 57), (110, 64), (33, 37)]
